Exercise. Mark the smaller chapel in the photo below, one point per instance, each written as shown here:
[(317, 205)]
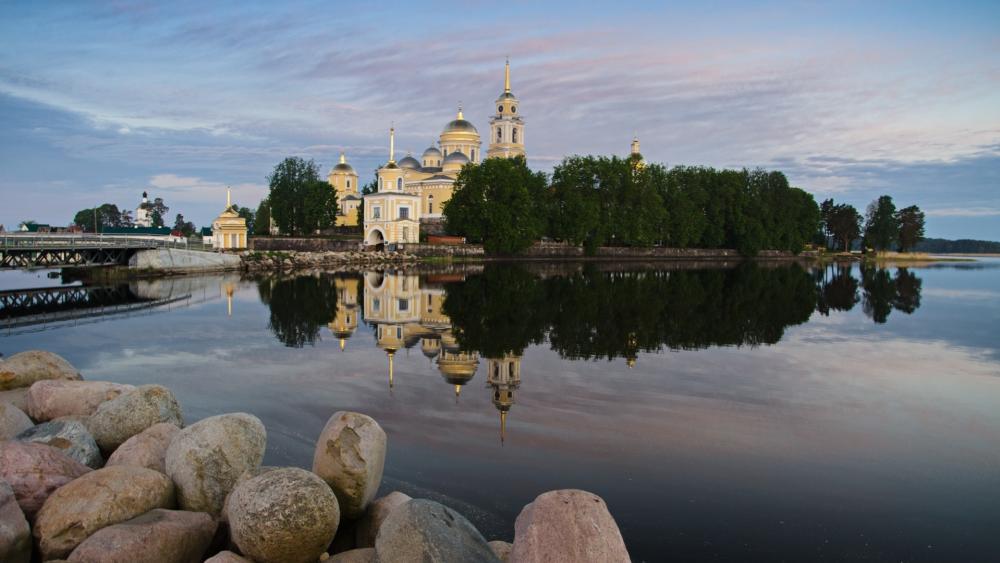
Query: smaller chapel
[(229, 230)]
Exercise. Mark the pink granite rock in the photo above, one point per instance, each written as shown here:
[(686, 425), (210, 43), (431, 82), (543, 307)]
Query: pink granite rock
[(146, 449), (13, 421), (360, 555), (34, 471), (15, 535), (501, 549), (378, 511), (17, 397), (227, 557), (164, 536), (567, 525), (51, 399), (97, 500), (25, 368)]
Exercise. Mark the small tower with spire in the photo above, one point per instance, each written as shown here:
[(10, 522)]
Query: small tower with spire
[(503, 375), (392, 215), (506, 126)]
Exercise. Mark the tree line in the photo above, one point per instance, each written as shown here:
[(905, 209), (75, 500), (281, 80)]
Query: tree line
[(882, 228), (107, 215), (611, 201)]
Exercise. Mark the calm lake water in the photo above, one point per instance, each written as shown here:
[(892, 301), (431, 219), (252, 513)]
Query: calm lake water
[(752, 412)]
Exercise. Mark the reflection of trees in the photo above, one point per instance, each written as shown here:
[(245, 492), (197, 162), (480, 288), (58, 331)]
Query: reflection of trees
[(838, 289), (614, 314), (883, 292), (299, 307)]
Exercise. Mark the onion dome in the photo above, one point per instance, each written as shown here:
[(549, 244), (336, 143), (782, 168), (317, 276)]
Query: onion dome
[(409, 162), (456, 157), (462, 125), (431, 152), (343, 166)]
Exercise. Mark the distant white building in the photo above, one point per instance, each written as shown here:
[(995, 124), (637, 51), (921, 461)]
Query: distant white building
[(143, 215)]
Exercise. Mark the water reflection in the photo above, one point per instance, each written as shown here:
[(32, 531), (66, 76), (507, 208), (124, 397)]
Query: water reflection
[(884, 292)]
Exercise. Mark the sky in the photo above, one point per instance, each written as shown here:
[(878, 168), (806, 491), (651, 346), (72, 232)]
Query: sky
[(851, 100)]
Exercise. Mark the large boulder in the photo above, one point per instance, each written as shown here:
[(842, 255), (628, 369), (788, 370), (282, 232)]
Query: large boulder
[(424, 531), (15, 535), (501, 549), (163, 536), (350, 457), (206, 459), (69, 436), (51, 399), (227, 557), (34, 471), (25, 368), (567, 525), (97, 500), (360, 555), (286, 515), (378, 511), (17, 397), (132, 412), (13, 421), (146, 449)]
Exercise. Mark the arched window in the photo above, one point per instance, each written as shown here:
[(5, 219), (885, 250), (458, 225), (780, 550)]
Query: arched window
[(515, 135), (348, 184), (430, 204), (499, 134), (399, 184)]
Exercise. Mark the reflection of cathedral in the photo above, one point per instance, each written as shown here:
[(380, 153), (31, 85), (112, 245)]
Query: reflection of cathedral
[(402, 313)]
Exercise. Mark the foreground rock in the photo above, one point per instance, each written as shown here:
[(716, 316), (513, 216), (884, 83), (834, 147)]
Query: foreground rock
[(96, 500), (350, 457), (164, 536), (69, 436), (146, 449), (130, 413), (423, 531), (360, 555), (15, 535), (227, 557), (501, 549), (376, 514), (206, 459), (34, 471), (52, 399), (286, 515), (25, 368), (17, 397), (13, 421), (567, 525)]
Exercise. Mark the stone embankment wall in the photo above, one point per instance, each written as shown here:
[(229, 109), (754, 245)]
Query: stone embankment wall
[(176, 260), (98, 471), (303, 244)]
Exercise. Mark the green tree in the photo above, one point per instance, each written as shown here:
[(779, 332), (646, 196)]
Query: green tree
[(843, 223), (499, 203), (185, 227), (911, 227), (881, 228), (262, 219), (291, 183), (99, 218), (248, 215)]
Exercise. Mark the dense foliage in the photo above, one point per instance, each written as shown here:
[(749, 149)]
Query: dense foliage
[(611, 201), (911, 227), (97, 219), (299, 307), (881, 226), (262, 219), (186, 228), (300, 202), (841, 222)]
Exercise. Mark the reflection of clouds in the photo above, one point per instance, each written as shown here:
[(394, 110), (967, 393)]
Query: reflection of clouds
[(964, 294)]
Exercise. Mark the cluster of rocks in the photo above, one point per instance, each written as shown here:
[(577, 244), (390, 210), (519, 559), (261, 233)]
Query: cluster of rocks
[(293, 260), (93, 471)]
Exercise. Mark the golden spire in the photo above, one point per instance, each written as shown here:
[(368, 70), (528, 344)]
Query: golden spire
[(229, 197), (343, 159), (506, 77), (503, 425), (390, 370), (392, 143), (458, 391), (342, 344), (460, 116)]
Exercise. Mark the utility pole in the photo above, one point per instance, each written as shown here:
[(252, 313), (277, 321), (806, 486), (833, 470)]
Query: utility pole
[(95, 220)]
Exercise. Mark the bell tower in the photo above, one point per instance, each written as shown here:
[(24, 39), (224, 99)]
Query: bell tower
[(506, 126)]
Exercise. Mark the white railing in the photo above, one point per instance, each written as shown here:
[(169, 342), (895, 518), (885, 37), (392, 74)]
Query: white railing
[(92, 240)]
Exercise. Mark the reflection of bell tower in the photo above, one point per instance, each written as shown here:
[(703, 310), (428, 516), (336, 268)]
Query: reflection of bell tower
[(346, 321), (504, 376)]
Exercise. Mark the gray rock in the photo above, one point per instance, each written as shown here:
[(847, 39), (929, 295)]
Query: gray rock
[(13, 421), (34, 471), (146, 449), (97, 500), (567, 525), (51, 399), (501, 549), (15, 535), (130, 413), (69, 436), (25, 368), (423, 531), (377, 512), (360, 555), (283, 516), (227, 557), (350, 457), (163, 536), (206, 459)]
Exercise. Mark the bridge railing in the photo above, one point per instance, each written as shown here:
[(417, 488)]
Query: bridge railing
[(94, 240)]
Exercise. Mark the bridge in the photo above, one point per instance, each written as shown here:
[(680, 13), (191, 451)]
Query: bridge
[(38, 250)]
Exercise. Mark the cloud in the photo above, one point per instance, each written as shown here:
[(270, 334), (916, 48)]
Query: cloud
[(963, 212), (189, 189)]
